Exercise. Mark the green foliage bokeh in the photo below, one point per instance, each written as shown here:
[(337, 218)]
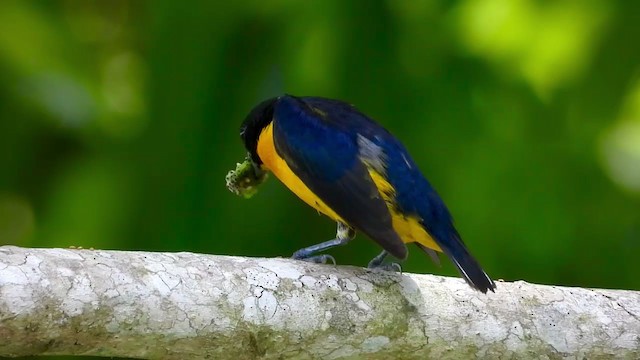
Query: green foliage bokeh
[(119, 121)]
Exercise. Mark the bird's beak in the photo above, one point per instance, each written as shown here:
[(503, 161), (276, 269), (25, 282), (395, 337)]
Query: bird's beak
[(258, 173)]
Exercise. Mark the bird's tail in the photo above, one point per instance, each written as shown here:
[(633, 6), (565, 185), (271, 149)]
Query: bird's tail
[(452, 245)]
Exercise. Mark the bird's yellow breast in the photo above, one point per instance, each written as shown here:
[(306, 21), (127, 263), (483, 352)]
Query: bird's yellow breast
[(274, 163), (407, 227)]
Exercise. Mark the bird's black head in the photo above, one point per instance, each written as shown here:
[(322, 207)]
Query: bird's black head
[(259, 117)]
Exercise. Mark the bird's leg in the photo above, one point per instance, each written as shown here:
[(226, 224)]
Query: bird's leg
[(378, 263), (344, 234)]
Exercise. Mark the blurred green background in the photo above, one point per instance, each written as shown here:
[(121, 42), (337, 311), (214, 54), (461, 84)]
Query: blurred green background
[(119, 121)]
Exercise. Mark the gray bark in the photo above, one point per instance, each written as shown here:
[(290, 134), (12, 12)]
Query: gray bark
[(190, 306)]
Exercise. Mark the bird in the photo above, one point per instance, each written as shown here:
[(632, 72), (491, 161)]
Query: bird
[(348, 167)]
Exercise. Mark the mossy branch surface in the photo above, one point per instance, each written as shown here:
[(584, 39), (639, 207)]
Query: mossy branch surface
[(191, 306)]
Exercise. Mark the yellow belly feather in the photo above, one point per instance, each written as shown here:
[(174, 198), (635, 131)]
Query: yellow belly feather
[(407, 227)]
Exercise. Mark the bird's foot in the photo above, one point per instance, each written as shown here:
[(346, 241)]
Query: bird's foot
[(344, 234), (378, 263), (317, 259), (392, 266)]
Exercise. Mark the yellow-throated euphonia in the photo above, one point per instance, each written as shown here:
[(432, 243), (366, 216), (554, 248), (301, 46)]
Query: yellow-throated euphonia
[(349, 168)]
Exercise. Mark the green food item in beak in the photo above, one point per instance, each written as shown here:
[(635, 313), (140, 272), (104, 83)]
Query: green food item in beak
[(245, 179)]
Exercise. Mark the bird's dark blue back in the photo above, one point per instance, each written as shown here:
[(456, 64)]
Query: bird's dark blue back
[(414, 193)]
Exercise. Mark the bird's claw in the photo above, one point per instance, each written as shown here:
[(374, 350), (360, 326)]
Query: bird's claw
[(392, 266), (318, 259)]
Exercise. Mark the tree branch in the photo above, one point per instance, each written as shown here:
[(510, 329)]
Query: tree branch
[(183, 305)]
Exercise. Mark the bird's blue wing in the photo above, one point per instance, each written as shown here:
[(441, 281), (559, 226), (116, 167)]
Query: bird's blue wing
[(326, 157)]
